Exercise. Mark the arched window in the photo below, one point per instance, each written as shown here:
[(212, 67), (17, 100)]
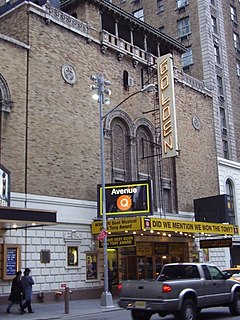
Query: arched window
[(230, 201), (5, 97), (120, 151), (133, 155), (1, 99), (145, 157), (144, 154)]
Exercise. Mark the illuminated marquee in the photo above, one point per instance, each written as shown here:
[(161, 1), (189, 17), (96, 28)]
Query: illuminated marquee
[(126, 199), (167, 106), (185, 226), (131, 224)]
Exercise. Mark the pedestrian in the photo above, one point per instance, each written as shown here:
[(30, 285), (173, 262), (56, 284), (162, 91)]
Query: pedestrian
[(16, 292), (27, 283)]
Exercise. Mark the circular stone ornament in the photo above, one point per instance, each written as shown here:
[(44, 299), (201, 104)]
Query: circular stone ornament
[(196, 122), (69, 74)]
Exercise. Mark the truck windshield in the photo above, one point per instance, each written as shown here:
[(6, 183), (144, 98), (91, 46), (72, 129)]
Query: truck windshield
[(178, 272)]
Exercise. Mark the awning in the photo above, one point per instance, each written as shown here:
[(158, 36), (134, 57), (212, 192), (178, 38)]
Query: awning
[(26, 217)]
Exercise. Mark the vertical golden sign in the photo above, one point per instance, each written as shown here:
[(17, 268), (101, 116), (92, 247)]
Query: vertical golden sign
[(167, 106)]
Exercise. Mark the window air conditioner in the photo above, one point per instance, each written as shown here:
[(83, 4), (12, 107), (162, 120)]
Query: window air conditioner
[(130, 82)]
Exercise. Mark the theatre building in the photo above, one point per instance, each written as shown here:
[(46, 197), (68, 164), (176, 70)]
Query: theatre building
[(159, 148)]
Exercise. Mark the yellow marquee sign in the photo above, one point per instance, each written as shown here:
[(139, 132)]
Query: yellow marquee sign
[(118, 225), (190, 226), (119, 241), (164, 225)]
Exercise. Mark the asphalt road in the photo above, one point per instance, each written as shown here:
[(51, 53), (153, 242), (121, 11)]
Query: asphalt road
[(207, 314)]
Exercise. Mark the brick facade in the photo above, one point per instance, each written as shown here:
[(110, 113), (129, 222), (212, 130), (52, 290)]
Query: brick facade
[(50, 139)]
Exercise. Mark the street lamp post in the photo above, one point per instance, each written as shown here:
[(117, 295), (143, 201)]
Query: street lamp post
[(100, 83)]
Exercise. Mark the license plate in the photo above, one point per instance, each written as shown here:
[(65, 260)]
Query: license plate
[(140, 304)]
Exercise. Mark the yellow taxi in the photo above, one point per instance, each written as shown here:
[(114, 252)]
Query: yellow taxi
[(233, 272)]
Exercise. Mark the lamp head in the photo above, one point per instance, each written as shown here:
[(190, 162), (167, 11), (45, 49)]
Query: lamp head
[(149, 88), (95, 96), (94, 78)]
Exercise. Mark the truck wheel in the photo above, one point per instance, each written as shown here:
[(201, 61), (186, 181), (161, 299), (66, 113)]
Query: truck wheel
[(140, 314), (162, 314), (188, 311), (234, 307)]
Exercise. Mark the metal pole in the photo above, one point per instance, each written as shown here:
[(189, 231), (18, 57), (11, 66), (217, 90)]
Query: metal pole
[(67, 300), (106, 297)]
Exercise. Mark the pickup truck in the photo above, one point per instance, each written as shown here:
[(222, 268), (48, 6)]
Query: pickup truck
[(181, 289)]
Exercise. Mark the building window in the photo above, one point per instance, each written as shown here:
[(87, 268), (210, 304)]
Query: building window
[(213, 2), (238, 69), (214, 24), (217, 54), (167, 203), (230, 201), (187, 58), (223, 118), (132, 153), (72, 256), (236, 41), (220, 86), (120, 151), (1, 99), (225, 148), (183, 27), (139, 14), (160, 6), (181, 3), (5, 96), (144, 153), (91, 266), (233, 14)]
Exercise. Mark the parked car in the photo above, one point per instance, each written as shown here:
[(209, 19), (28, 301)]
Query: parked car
[(233, 272), (181, 289)]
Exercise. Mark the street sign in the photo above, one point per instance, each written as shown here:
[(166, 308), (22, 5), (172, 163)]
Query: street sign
[(102, 235)]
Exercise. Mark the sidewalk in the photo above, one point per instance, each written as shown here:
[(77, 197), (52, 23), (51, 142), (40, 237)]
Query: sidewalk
[(56, 310)]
